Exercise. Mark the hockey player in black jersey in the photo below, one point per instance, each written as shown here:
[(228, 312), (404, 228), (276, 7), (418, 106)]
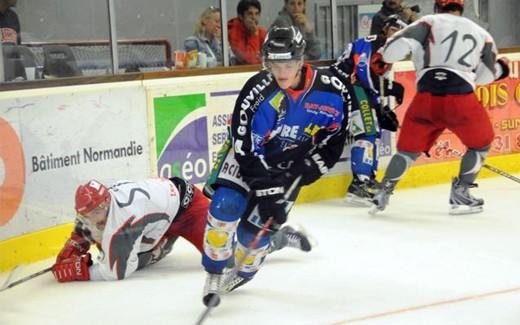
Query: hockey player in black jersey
[(289, 122), (361, 65)]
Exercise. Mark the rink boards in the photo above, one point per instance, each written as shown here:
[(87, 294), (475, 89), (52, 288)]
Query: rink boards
[(53, 139)]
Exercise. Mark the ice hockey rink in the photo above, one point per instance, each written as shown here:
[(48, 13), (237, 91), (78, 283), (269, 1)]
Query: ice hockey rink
[(411, 264)]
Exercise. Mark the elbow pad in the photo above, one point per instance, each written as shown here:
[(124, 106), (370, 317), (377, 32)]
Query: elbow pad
[(504, 65)]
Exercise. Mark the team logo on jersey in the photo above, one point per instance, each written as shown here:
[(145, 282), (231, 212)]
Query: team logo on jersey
[(277, 101), (122, 242), (321, 109), (439, 75)]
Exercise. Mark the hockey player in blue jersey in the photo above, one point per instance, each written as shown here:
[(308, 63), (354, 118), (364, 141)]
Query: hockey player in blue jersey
[(289, 123), (361, 65)]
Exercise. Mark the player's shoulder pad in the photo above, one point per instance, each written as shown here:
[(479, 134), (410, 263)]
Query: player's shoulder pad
[(255, 90), (259, 81), (326, 80)]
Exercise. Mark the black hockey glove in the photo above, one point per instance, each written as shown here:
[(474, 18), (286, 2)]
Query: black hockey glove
[(397, 91), (269, 197), (310, 169), (387, 119), (504, 63)]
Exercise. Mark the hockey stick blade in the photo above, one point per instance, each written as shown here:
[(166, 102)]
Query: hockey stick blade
[(10, 277), (213, 301), (502, 173), (27, 278)]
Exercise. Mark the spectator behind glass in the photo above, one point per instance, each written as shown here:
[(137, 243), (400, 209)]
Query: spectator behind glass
[(393, 7), (245, 35), (207, 37), (9, 23), (293, 14)]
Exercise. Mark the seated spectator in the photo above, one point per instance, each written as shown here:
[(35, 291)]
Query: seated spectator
[(207, 37), (9, 23), (245, 35), (293, 14), (393, 7)]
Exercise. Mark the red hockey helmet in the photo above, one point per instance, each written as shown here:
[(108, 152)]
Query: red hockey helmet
[(90, 195), (442, 3)]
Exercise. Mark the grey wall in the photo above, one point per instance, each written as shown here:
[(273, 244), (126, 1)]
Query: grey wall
[(46, 20), (504, 22)]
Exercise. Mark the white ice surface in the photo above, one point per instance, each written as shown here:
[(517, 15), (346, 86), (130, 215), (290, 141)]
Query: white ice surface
[(411, 264)]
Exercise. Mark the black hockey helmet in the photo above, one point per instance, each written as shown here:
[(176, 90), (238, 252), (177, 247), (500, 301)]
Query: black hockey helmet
[(282, 44), (394, 21)]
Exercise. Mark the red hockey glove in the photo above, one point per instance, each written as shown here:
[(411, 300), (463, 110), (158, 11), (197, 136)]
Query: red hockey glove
[(75, 246), (74, 268)]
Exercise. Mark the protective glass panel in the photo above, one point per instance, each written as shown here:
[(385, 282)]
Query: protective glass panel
[(48, 39), (168, 35), (246, 30)]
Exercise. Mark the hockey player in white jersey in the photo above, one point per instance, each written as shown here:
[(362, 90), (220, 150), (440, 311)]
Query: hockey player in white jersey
[(135, 224), (451, 55)]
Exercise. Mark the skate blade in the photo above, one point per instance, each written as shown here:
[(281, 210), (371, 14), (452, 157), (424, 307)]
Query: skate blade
[(457, 210), (373, 210), (357, 202)]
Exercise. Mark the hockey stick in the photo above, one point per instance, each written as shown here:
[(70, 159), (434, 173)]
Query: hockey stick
[(22, 280), (381, 92), (501, 172), (250, 247), (10, 276)]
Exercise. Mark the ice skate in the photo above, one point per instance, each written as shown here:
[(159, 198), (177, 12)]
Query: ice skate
[(212, 290), (382, 196), (360, 193), (231, 282), (461, 201), (297, 239), (290, 237)]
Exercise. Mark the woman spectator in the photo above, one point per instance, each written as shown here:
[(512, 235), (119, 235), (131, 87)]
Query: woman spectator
[(207, 38)]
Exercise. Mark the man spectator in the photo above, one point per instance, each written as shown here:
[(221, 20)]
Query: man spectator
[(293, 14), (393, 7), (9, 23), (244, 33)]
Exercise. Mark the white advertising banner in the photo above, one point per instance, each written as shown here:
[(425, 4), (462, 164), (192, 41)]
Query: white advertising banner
[(189, 117), (53, 140)]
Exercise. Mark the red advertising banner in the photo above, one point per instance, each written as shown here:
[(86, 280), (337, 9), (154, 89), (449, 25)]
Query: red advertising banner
[(502, 101)]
